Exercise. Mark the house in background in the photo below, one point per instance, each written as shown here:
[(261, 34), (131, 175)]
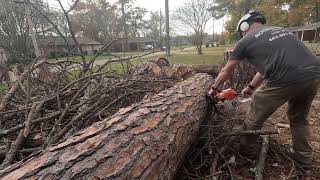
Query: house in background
[(134, 44), (181, 41), (310, 32), (55, 46)]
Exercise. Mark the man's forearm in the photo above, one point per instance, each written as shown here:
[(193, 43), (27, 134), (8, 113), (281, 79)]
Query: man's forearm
[(225, 73), (257, 80), (222, 77)]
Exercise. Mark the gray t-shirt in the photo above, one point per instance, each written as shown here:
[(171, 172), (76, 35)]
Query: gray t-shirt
[(278, 55)]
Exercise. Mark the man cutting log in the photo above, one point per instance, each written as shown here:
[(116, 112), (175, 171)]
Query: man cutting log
[(288, 71)]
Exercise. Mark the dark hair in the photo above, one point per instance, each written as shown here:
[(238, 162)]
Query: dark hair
[(258, 18)]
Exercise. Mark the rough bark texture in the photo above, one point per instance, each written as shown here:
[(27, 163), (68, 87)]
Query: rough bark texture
[(144, 141)]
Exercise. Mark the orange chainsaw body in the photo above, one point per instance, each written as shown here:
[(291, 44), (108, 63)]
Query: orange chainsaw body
[(228, 94), (228, 100)]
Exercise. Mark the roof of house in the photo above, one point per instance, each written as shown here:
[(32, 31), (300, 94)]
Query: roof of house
[(59, 41), (138, 40), (313, 26), (54, 40)]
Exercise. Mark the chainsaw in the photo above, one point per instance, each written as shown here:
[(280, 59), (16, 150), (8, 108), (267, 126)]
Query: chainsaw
[(229, 100)]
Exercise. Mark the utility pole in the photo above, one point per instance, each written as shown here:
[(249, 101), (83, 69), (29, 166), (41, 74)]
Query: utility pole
[(317, 11), (167, 29), (44, 72), (213, 19), (222, 27), (160, 29), (125, 42), (33, 34)]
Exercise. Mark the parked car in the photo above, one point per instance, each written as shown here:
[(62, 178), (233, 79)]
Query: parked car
[(148, 47)]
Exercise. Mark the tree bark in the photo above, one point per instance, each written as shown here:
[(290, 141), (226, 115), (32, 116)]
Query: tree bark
[(144, 141)]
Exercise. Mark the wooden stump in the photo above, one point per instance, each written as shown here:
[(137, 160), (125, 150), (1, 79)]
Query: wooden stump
[(144, 141), (212, 70)]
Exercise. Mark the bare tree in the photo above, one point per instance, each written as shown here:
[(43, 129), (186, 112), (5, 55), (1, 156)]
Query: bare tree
[(14, 30), (192, 18), (97, 20)]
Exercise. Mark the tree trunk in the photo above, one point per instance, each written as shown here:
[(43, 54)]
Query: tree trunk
[(144, 141), (199, 48)]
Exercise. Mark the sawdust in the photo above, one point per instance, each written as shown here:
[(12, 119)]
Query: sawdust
[(284, 138)]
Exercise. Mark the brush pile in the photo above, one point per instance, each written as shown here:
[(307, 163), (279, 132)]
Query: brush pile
[(50, 101), (43, 109)]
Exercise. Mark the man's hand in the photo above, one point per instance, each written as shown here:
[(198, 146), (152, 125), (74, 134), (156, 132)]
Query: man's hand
[(213, 92), (247, 92)]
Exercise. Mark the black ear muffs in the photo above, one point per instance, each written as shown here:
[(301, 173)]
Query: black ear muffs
[(248, 19), (244, 26)]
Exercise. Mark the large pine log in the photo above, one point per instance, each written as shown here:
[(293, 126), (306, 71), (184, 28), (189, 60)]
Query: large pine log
[(144, 141)]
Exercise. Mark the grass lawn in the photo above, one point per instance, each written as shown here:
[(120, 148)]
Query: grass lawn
[(3, 89), (102, 57), (211, 55), (79, 59), (188, 55)]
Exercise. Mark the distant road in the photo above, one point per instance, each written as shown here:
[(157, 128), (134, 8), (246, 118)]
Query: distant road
[(161, 53)]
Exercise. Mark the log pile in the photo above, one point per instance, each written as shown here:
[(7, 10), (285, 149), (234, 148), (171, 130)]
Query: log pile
[(146, 140), (35, 114), (100, 124), (162, 68)]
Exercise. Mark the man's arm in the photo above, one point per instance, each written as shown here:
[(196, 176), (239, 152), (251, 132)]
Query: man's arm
[(256, 81), (225, 73)]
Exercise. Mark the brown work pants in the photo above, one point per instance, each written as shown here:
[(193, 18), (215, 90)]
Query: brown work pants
[(266, 100)]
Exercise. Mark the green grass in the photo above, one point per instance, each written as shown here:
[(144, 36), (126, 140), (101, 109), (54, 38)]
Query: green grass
[(188, 56), (79, 59), (133, 53), (102, 57), (3, 89), (212, 55)]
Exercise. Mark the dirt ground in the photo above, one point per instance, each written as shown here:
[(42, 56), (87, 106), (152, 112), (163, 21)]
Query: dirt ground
[(209, 154), (314, 119), (280, 169)]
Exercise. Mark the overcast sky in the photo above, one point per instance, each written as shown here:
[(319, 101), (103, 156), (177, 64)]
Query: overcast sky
[(156, 5)]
